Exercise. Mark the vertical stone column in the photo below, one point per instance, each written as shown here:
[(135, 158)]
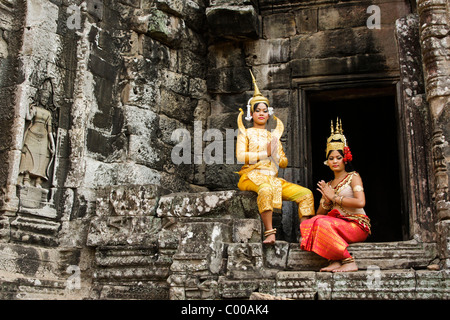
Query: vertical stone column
[(12, 15), (434, 20), (415, 130)]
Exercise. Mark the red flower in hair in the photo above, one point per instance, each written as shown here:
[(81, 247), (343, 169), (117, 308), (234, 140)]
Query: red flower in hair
[(347, 154)]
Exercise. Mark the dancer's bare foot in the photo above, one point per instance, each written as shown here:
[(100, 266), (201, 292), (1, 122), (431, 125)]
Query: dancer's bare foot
[(332, 266), (270, 239), (348, 267)]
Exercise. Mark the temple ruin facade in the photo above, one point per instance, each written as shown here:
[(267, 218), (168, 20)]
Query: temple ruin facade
[(118, 125)]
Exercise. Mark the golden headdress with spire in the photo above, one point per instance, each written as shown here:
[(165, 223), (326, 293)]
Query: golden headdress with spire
[(257, 98), (337, 140)]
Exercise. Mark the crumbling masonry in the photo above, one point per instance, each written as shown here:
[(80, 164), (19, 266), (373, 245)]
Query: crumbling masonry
[(116, 218)]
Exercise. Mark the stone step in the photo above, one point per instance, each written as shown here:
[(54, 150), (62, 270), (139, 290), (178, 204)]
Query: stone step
[(35, 230), (14, 286), (370, 284), (229, 204), (360, 285), (369, 255)]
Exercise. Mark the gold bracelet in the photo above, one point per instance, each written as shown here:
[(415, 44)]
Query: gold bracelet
[(340, 200), (326, 206)]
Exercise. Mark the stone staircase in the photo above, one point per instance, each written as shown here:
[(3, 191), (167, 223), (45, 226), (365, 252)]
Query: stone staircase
[(391, 270), (146, 244), (382, 255), (388, 270)]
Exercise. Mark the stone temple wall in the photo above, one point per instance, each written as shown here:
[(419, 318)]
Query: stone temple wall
[(134, 81)]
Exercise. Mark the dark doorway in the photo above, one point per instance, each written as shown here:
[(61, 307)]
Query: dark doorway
[(370, 126)]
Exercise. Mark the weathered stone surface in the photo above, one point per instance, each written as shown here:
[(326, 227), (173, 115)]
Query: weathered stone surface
[(245, 261), (118, 219), (223, 204), (236, 22), (125, 215), (265, 296), (247, 230)]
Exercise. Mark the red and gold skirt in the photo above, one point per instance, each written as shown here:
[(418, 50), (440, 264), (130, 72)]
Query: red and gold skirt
[(329, 235)]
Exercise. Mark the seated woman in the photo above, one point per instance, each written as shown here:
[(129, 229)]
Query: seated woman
[(262, 153), (340, 217)]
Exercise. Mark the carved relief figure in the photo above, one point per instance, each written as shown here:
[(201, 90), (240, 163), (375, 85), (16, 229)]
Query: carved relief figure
[(39, 145), (262, 154)]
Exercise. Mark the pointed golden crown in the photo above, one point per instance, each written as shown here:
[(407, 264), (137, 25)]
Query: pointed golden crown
[(337, 140), (257, 96)]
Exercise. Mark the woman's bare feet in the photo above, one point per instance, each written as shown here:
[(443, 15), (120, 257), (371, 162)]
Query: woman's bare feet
[(270, 239), (348, 267), (332, 266), (270, 236)]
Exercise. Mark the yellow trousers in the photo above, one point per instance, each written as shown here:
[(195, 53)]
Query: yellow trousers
[(290, 192)]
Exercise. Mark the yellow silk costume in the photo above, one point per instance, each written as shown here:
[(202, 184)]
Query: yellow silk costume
[(260, 172)]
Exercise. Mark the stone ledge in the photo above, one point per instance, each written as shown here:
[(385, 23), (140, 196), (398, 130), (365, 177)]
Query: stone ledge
[(370, 284), (365, 285), (224, 204)]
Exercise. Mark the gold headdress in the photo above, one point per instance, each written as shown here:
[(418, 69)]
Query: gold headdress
[(257, 98), (337, 140)]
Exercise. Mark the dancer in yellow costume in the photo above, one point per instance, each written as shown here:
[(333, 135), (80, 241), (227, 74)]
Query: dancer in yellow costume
[(262, 153)]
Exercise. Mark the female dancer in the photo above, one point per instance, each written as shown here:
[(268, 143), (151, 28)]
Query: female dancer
[(341, 218), (262, 153)]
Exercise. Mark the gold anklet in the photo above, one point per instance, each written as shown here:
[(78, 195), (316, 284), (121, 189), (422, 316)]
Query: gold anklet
[(270, 232), (348, 260)]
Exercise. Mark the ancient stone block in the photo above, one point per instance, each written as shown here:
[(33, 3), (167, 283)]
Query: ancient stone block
[(105, 147), (165, 28), (137, 200), (269, 51), (279, 26), (337, 66), (223, 204), (35, 230), (236, 22), (432, 285), (306, 20), (276, 256), (226, 54), (245, 261), (178, 105), (397, 285), (228, 80), (296, 285), (237, 289), (303, 260), (138, 290), (246, 230), (272, 76), (116, 230), (191, 11), (125, 216)]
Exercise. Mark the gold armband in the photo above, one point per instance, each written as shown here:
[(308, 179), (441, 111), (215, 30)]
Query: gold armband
[(358, 188)]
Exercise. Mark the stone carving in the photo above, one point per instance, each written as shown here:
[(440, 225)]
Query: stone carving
[(39, 144), (176, 62)]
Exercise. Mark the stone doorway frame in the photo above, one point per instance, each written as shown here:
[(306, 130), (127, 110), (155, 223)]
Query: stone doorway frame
[(416, 204)]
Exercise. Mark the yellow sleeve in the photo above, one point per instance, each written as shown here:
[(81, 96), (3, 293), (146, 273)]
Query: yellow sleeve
[(283, 161), (245, 156)]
